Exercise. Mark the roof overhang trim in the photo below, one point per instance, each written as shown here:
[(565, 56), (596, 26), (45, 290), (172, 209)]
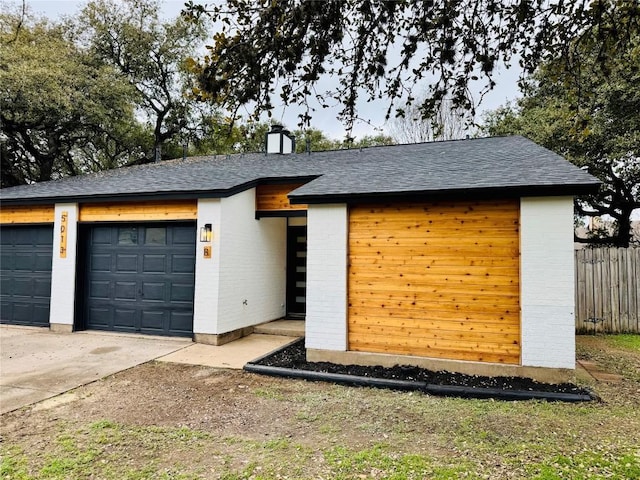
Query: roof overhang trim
[(465, 193)]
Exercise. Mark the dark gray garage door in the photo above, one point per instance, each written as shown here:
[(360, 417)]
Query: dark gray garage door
[(25, 274), (140, 278)]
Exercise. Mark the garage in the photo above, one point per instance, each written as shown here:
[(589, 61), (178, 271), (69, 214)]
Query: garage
[(138, 277), (25, 273), (435, 280)]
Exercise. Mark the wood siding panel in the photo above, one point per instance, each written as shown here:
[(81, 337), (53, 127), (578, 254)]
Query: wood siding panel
[(26, 214), (436, 280), (271, 198), (142, 211)]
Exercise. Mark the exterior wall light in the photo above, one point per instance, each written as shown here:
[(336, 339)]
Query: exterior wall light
[(205, 233)]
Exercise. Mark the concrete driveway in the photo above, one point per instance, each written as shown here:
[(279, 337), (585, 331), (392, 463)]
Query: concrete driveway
[(36, 364)]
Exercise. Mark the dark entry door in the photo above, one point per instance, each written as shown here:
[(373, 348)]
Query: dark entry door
[(25, 274), (140, 278), (296, 271)]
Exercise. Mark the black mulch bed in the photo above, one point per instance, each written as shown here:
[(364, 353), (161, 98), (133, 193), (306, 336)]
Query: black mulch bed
[(293, 356)]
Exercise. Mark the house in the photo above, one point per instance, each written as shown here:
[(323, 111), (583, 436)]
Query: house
[(451, 255)]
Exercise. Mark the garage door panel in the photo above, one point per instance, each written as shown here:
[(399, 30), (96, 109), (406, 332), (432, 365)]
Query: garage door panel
[(181, 293), (128, 236), (155, 263), (42, 262), (153, 320), (24, 262), (100, 263), (101, 236), (154, 291), (181, 322), (40, 314), (42, 288), (124, 319), (185, 236), (139, 277), (99, 290), (23, 312), (126, 291), (7, 259), (22, 287), (24, 236), (155, 236), (6, 287), (438, 280), (182, 264), (127, 263), (100, 316)]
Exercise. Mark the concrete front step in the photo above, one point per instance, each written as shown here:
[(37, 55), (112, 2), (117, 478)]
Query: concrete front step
[(289, 328)]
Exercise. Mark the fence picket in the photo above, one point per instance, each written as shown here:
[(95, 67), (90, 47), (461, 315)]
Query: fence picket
[(607, 290)]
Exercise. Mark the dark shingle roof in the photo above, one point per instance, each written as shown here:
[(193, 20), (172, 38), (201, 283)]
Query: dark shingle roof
[(498, 164)]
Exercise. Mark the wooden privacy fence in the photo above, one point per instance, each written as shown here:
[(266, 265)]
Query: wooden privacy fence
[(608, 290)]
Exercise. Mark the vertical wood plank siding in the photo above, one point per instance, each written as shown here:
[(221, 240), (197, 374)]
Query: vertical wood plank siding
[(26, 214), (141, 211), (274, 197), (436, 280), (608, 290)]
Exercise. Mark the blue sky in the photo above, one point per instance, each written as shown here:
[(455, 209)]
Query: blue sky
[(324, 119)]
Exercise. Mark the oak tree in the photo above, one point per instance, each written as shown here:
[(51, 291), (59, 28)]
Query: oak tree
[(150, 53), (589, 114), (61, 114), (283, 51)]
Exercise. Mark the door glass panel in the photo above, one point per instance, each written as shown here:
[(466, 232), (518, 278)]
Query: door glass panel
[(155, 236), (127, 236)]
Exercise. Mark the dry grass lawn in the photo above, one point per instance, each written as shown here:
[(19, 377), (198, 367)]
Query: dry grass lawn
[(161, 421)]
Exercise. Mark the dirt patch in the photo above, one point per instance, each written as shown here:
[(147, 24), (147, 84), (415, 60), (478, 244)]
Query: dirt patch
[(161, 420)]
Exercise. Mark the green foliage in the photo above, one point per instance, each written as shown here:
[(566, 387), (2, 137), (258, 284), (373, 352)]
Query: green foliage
[(627, 341), (61, 114), (218, 134), (318, 141), (588, 465), (150, 55), (586, 107), (282, 51), (14, 465), (379, 460)]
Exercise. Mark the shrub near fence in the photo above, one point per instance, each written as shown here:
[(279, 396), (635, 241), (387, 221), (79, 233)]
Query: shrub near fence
[(607, 290)]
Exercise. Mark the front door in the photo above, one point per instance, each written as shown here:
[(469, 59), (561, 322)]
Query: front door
[(296, 271)]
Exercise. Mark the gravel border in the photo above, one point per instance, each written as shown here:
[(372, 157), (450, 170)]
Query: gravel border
[(290, 361)]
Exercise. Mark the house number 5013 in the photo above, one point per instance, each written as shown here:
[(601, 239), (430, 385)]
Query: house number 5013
[(64, 219)]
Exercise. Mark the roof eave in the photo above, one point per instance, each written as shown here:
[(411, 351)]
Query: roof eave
[(466, 193), (121, 197)]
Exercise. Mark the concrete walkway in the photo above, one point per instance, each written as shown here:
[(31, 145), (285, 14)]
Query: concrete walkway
[(594, 371), (36, 364), (231, 355)]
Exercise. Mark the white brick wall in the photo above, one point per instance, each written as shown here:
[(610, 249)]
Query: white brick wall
[(326, 321), (252, 264), (547, 282), (205, 303), (63, 270)]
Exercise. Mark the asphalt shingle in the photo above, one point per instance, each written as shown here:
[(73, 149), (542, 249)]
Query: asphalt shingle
[(462, 165)]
